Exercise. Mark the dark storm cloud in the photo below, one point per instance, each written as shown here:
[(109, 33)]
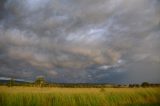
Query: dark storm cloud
[(81, 41)]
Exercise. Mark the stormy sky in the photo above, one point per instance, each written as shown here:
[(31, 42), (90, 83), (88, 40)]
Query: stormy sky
[(87, 41)]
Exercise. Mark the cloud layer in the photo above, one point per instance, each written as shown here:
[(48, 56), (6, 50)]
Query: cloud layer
[(80, 41)]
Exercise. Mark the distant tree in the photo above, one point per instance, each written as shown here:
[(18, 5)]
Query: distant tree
[(11, 82), (136, 85), (145, 84), (131, 85), (40, 81)]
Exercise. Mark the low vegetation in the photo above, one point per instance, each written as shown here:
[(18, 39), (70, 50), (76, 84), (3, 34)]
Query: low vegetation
[(55, 96)]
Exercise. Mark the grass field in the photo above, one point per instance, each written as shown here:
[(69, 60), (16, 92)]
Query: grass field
[(34, 96)]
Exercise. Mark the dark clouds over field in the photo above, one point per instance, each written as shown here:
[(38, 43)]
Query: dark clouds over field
[(80, 40)]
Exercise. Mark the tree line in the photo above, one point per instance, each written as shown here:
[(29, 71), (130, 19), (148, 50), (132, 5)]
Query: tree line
[(41, 82)]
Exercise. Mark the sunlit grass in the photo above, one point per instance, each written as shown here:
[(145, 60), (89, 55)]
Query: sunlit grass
[(33, 96)]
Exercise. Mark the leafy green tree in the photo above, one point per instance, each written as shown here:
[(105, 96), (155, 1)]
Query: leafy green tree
[(11, 82), (145, 84), (40, 81)]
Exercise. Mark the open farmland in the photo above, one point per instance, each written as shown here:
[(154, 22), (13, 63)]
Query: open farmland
[(35, 96)]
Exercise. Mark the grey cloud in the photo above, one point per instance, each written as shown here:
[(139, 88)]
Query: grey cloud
[(71, 39)]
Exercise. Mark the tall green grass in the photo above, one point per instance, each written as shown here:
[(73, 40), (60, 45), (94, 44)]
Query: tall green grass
[(30, 96)]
